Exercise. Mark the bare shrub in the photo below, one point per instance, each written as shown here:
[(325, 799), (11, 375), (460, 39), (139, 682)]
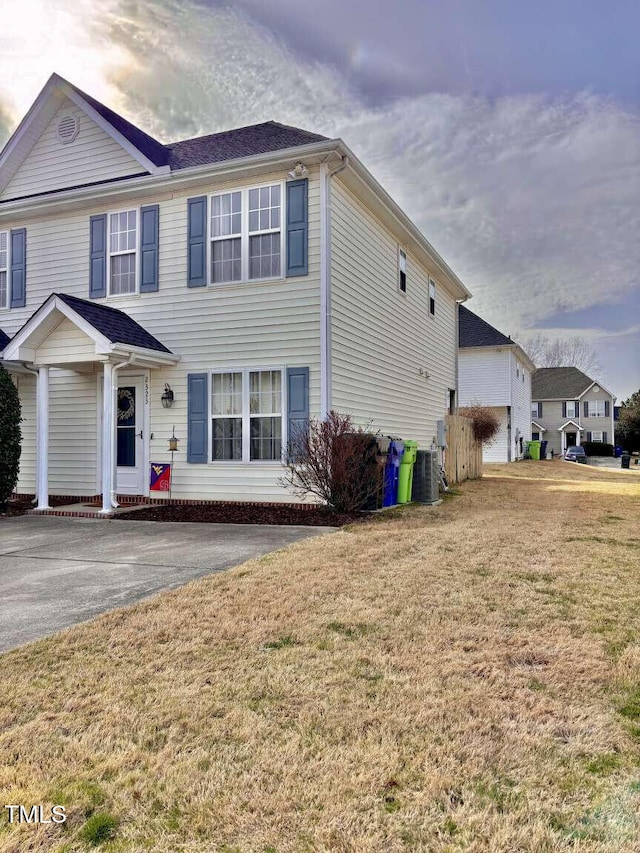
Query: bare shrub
[(485, 422), (335, 461)]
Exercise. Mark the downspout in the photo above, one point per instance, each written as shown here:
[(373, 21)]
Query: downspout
[(325, 283), (114, 390)]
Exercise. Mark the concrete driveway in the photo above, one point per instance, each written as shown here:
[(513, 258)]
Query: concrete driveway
[(56, 572)]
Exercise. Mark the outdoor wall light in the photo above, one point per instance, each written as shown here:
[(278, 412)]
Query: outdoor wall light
[(173, 442), (298, 171), (167, 397)]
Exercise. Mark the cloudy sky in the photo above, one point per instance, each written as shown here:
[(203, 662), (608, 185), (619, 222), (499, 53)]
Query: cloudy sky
[(509, 131)]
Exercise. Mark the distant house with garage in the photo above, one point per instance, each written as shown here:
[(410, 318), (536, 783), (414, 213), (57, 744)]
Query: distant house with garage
[(221, 289), (569, 408), (494, 371)]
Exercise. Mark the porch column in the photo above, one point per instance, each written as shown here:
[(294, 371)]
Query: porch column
[(108, 438), (42, 427)]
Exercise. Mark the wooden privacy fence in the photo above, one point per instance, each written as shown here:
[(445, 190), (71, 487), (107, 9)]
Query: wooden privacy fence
[(463, 456)]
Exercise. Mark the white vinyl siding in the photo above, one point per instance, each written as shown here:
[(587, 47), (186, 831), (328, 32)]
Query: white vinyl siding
[(270, 324), (497, 451), (376, 365), (93, 156), (66, 344)]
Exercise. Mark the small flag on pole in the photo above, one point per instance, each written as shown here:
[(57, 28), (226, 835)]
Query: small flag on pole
[(160, 477)]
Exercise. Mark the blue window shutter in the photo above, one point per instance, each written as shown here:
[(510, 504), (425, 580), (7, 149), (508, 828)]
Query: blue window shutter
[(539, 410), (607, 410), (586, 410), (297, 227), (564, 410), (297, 403), (604, 437), (588, 436), (149, 226), (197, 416), (98, 256), (197, 242), (18, 268), (576, 404)]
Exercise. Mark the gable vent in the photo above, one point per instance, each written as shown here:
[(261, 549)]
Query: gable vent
[(67, 129)]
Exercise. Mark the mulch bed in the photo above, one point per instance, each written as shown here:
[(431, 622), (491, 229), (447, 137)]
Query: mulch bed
[(225, 513), (19, 506)]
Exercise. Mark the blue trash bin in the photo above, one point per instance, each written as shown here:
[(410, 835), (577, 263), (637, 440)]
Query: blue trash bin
[(392, 473), (618, 452), (543, 449)]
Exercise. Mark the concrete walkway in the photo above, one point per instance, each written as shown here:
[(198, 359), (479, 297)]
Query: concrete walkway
[(56, 572)]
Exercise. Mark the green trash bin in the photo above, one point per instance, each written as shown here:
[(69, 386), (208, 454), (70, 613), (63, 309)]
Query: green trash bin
[(534, 449), (405, 479)]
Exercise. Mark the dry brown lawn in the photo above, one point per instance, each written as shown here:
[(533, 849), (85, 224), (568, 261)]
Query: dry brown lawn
[(465, 677)]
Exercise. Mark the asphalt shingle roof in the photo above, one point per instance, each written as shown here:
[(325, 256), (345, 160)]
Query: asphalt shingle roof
[(115, 325), (473, 331), (558, 383), (241, 142), (228, 145), (4, 340)]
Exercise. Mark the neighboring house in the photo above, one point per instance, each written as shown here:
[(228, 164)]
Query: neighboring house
[(494, 371), (225, 287), (569, 408)]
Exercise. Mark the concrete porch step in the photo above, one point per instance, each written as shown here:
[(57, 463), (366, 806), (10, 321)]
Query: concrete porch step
[(86, 510)]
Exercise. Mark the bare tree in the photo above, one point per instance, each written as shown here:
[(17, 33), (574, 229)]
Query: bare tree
[(545, 351)]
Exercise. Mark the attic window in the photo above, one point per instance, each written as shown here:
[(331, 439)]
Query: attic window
[(67, 129)]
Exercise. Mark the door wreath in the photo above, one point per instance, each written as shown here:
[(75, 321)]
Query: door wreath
[(126, 404)]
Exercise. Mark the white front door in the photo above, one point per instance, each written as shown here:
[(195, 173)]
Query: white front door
[(130, 436)]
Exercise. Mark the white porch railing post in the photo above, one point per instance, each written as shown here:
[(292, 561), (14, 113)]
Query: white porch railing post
[(108, 428), (42, 423)]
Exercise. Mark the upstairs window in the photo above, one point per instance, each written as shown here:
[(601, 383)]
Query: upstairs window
[(4, 269), (402, 270), (246, 234), (596, 408), (571, 409), (536, 410), (226, 236), (432, 297), (123, 237)]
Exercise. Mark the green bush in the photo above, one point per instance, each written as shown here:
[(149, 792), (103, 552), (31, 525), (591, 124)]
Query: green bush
[(10, 436), (99, 828), (597, 448)]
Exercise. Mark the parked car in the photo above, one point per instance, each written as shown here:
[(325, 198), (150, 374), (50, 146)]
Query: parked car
[(576, 454)]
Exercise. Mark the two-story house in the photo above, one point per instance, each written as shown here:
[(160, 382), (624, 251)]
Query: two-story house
[(219, 289), (494, 371), (569, 408)]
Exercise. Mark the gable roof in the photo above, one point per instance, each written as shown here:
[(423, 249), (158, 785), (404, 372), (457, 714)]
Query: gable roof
[(114, 324), (146, 145), (4, 340), (473, 331), (152, 154), (559, 383)]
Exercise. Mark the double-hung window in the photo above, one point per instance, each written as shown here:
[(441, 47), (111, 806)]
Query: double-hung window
[(246, 234), (571, 409), (596, 408), (123, 236), (4, 269), (597, 435), (246, 416), (432, 297), (535, 410)]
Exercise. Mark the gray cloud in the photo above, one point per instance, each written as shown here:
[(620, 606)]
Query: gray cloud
[(532, 200)]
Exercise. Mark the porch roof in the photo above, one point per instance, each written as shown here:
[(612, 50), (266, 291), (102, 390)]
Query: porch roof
[(538, 426), (572, 424), (111, 331)]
